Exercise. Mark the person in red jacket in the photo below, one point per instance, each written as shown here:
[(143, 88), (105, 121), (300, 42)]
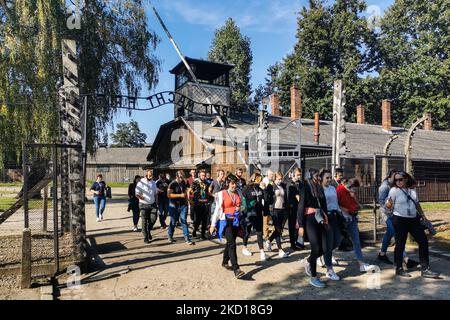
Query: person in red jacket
[(346, 193)]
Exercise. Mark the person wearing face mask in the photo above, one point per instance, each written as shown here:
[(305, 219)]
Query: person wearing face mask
[(279, 210), (333, 234), (226, 221), (311, 216), (293, 191), (253, 217)]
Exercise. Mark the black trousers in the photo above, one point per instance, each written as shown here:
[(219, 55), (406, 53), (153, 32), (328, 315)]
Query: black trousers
[(201, 215), (403, 226), (292, 221), (278, 219), (317, 239), (229, 254), (149, 214), (254, 222)]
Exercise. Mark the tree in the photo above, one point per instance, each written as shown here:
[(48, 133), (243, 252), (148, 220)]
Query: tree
[(333, 42), (128, 135), (414, 43), (230, 46), (116, 55)]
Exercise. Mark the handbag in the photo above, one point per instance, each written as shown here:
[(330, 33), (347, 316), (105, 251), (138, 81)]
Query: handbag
[(426, 224), (320, 213)]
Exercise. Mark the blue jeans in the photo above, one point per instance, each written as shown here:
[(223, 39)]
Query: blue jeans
[(334, 238), (388, 235), (390, 232), (176, 213), (163, 209), (353, 232), (100, 204)]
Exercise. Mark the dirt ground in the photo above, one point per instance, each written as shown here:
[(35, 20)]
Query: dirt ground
[(124, 267), (127, 268)]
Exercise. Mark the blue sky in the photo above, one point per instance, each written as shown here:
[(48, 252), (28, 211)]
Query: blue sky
[(270, 24)]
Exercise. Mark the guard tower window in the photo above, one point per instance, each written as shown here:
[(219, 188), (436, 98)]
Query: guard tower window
[(207, 72)]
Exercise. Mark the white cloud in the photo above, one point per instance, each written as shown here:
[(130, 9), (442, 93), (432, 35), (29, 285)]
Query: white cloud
[(272, 16)]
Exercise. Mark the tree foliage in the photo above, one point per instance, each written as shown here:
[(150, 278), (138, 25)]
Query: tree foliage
[(333, 42), (405, 60), (128, 135), (116, 55), (415, 47), (230, 46)]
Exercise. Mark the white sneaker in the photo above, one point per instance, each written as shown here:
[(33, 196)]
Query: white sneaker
[(135, 229), (98, 219), (334, 261), (282, 254), (246, 252), (101, 217), (366, 267), (268, 246), (263, 256), (333, 276), (307, 266), (320, 262)]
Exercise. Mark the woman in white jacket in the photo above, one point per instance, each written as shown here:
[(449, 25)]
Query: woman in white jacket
[(225, 220)]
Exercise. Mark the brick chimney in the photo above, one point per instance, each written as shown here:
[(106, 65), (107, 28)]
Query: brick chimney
[(360, 114), (428, 125), (275, 103), (316, 127), (386, 115), (296, 103)]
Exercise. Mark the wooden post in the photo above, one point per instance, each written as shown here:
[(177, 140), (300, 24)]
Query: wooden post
[(25, 281)]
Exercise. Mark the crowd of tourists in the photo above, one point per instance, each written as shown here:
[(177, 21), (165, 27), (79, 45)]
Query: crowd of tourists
[(321, 210)]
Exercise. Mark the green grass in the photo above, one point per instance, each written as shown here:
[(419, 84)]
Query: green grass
[(427, 206), (7, 192), (435, 205), (112, 184), (10, 184), (6, 202)]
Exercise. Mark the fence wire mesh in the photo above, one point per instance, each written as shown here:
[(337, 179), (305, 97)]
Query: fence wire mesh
[(38, 206)]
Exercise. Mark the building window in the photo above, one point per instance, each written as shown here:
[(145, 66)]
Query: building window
[(103, 169)]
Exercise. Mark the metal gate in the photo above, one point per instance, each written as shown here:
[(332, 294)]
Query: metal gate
[(48, 244)]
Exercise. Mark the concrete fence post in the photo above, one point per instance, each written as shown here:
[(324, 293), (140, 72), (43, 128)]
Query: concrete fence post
[(25, 281)]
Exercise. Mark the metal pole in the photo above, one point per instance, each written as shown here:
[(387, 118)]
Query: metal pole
[(84, 144), (375, 189), (55, 209), (25, 184), (45, 213)]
